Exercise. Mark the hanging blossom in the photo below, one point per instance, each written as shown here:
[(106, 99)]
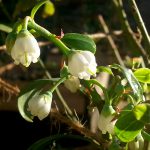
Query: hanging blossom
[(40, 105), (73, 84), (106, 121), (25, 49), (82, 64)]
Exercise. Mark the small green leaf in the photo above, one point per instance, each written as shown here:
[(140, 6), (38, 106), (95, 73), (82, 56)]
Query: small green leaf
[(79, 42), (128, 127), (145, 135), (27, 93), (143, 75), (142, 112), (37, 6), (5, 28), (104, 69), (133, 82)]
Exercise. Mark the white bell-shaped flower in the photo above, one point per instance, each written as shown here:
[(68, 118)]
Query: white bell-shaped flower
[(73, 84), (82, 64), (106, 124), (40, 105), (25, 49), (106, 121)]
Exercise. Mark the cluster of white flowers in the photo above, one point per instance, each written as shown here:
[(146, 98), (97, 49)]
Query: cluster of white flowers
[(40, 105)]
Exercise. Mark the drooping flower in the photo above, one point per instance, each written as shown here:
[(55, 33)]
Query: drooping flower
[(106, 121), (73, 84), (82, 64), (40, 105), (25, 49)]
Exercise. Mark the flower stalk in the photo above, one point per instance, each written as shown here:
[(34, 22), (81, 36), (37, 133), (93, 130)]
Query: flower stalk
[(51, 37)]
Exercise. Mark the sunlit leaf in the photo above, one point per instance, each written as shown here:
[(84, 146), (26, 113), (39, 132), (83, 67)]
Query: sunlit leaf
[(145, 135), (142, 112), (104, 69), (79, 42), (133, 82), (128, 127), (143, 75)]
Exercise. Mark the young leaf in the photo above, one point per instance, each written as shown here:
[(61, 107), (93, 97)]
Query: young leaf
[(128, 127), (79, 42), (104, 69), (142, 112), (133, 82), (27, 93), (143, 75), (146, 135)]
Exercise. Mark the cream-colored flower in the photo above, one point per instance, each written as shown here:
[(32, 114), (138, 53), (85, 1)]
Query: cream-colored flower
[(73, 84), (106, 124), (82, 64), (40, 105), (25, 49)]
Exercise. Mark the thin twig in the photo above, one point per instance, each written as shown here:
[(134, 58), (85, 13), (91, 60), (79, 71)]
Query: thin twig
[(10, 88), (111, 41), (127, 29), (140, 24), (68, 110)]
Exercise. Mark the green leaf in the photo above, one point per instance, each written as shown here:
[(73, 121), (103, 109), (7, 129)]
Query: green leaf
[(37, 6), (128, 127), (142, 112), (133, 82), (78, 41), (47, 142), (145, 135), (5, 28), (104, 69), (143, 75), (27, 93)]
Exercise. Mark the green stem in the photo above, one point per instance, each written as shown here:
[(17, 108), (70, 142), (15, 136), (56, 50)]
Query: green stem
[(51, 37), (107, 101), (25, 23), (68, 110), (57, 84), (141, 24)]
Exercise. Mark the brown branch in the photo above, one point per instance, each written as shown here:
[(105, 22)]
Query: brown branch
[(76, 125), (6, 68), (111, 41), (127, 29), (8, 87)]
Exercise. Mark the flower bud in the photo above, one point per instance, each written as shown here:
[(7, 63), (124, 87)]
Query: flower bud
[(25, 49), (40, 105), (10, 41), (72, 84), (106, 122), (82, 64)]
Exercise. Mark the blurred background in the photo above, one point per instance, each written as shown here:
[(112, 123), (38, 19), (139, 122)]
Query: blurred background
[(78, 16)]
